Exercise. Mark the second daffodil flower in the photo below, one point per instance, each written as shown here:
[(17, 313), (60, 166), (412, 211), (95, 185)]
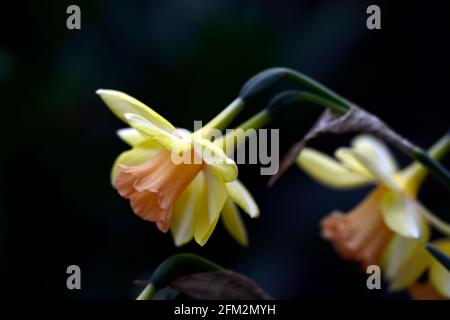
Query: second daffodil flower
[(389, 227), (177, 179)]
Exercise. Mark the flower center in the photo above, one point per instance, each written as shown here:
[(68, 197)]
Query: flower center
[(154, 187), (360, 235)]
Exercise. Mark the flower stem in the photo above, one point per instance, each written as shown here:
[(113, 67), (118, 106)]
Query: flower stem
[(436, 168), (147, 293), (290, 97), (223, 119), (416, 172), (234, 139)]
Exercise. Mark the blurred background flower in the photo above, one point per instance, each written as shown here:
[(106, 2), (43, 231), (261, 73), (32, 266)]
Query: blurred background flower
[(188, 59)]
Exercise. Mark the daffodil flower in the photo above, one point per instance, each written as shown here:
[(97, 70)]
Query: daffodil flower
[(186, 197), (389, 227)]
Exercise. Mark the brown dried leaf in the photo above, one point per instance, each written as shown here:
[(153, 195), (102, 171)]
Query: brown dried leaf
[(219, 285)]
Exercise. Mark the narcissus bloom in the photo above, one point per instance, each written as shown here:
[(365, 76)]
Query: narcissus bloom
[(177, 179), (389, 227)]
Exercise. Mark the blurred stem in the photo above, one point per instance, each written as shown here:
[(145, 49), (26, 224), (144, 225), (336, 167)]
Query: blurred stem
[(440, 256), (416, 172), (436, 168), (147, 293)]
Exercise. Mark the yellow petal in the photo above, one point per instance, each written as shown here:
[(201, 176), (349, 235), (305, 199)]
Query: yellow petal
[(167, 140), (215, 157), (233, 223), (375, 149), (357, 161), (131, 136), (401, 215), (439, 275), (216, 194), (348, 160), (133, 157), (328, 171), (189, 202), (121, 104), (239, 194), (404, 259)]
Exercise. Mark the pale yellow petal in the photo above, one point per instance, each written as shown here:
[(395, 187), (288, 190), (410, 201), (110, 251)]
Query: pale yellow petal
[(348, 160), (233, 222), (375, 149), (167, 140), (120, 104), (439, 275), (404, 259), (239, 194), (207, 217), (131, 136), (215, 157), (184, 214), (357, 161), (330, 172), (401, 214)]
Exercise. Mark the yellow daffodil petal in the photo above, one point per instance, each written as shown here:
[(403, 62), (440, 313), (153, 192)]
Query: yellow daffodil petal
[(360, 162), (375, 149), (167, 140), (133, 157), (404, 259), (330, 172), (239, 194), (216, 195), (348, 160), (233, 223), (401, 214), (410, 268), (214, 156), (121, 104), (188, 204), (131, 136), (439, 275)]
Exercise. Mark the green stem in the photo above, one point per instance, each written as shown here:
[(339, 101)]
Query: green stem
[(319, 88), (266, 80), (291, 97), (259, 120), (147, 293), (223, 119), (417, 171), (436, 169)]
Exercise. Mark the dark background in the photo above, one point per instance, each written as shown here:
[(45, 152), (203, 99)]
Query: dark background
[(188, 60)]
